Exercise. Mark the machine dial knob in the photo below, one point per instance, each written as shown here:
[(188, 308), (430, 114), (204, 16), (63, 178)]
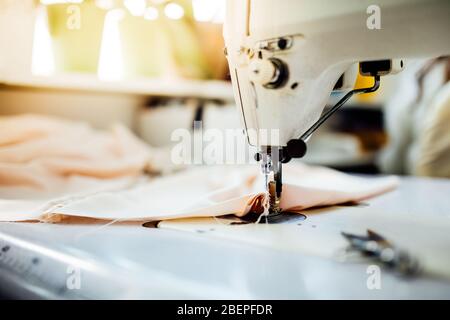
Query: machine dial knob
[(262, 71), (271, 73)]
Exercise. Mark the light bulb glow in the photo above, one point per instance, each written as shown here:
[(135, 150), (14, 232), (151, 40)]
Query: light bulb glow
[(135, 7), (111, 61), (209, 10), (42, 61), (151, 13), (49, 2), (174, 11)]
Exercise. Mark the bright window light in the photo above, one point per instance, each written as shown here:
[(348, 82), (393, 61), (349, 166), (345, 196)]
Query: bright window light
[(105, 4), (209, 10), (42, 63), (174, 11), (151, 13), (47, 2), (136, 7), (110, 67)]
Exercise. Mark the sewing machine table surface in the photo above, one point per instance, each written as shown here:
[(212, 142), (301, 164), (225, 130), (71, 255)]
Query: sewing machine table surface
[(196, 261)]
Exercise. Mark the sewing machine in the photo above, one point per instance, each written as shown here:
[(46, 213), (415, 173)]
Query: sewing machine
[(286, 57)]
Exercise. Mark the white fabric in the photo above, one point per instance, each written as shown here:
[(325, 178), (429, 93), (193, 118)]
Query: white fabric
[(208, 191), (52, 168)]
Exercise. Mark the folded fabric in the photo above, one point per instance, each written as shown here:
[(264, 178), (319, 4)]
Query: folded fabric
[(44, 160), (213, 191), (41, 153), (42, 157), (52, 168)]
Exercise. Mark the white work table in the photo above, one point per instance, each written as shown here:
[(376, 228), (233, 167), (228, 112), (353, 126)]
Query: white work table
[(210, 260)]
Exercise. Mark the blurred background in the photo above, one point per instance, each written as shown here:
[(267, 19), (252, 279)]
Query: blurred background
[(157, 65)]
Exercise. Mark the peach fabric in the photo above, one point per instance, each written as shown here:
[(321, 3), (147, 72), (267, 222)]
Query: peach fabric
[(42, 152), (211, 191), (51, 169)]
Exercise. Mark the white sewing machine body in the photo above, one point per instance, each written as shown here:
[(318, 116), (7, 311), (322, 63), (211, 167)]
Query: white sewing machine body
[(321, 41)]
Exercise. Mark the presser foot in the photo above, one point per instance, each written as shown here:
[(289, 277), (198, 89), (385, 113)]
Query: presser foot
[(282, 217), (274, 216), (277, 218)]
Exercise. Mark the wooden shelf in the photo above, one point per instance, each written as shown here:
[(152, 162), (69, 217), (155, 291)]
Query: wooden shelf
[(208, 89)]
